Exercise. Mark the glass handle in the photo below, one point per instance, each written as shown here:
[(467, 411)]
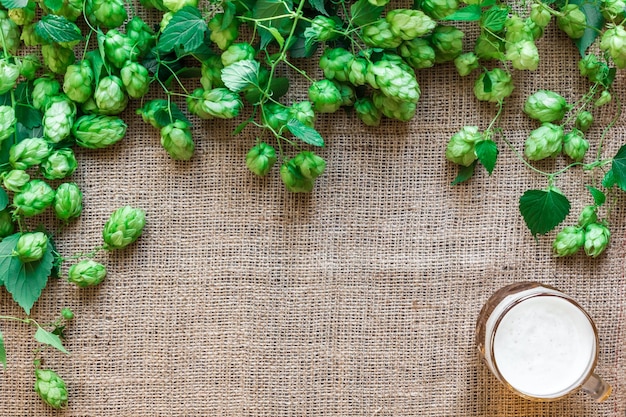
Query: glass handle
[(597, 388)]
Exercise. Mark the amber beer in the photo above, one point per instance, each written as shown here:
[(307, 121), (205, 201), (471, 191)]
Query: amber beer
[(540, 343)]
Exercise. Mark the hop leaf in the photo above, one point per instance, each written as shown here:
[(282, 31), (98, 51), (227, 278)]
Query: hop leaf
[(241, 75), (543, 210), (186, 29)]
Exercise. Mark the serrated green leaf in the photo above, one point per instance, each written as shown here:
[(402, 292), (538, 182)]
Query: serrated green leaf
[(229, 14), (487, 152), (278, 88), (6, 259), (240, 127), (618, 168), (241, 75), (319, 6), (4, 199), (598, 196), (14, 4), (305, 133), (594, 25), (267, 9), (27, 115), (466, 14), (53, 28), (465, 173), (543, 210), (186, 30), (277, 36), (3, 352), (493, 19), (50, 339), (25, 281), (23, 132), (363, 12), (165, 116), (609, 179), (610, 77), (96, 63)]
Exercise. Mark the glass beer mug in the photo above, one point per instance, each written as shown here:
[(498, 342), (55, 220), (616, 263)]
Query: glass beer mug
[(539, 343)]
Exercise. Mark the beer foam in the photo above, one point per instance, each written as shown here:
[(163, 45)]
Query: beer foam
[(544, 346)]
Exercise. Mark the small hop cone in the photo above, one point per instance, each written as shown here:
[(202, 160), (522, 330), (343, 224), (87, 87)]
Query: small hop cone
[(110, 96), (98, 131), (221, 103), (461, 147), (584, 120), (223, 37), (575, 145), (60, 164), (335, 62), (7, 122), (409, 24), (501, 86), (15, 180), (572, 21), (9, 74), (68, 201), (438, 9), (31, 247), (322, 29), (119, 48), (544, 142), (107, 13), (260, 159), (546, 106), (176, 139), (447, 42), (379, 35), (86, 273), (34, 198), (325, 96), (587, 216), (78, 82), (51, 388), (123, 227), (237, 52), (136, 79), (43, 90), (597, 238), (367, 112), (29, 152), (568, 241)]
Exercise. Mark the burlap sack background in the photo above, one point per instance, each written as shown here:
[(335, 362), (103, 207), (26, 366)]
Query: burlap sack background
[(360, 299)]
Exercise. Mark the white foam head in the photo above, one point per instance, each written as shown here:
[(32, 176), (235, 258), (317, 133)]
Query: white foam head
[(544, 346)]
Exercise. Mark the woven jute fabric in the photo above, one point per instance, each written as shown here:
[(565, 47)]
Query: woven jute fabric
[(358, 299)]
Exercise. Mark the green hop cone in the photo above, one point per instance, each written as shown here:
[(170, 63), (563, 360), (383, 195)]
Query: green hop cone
[(7, 227), (107, 13), (347, 92), (393, 108), (466, 63), (572, 21), (311, 166), (34, 198), (613, 10), (593, 69), (67, 313), (418, 53), (540, 14), (9, 74), (447, 42), (523, 55), (546, 106), (409, 24), (488, 47), (461, 147), (587, 216), (194, 104), (501, 86), (50, 388), (119, 48), (614, 42), (7, 122), (597, 238), (29, 65), (605, 98), (97, 131), (276, 115), (176, 139), (15, 179), (70, 9), (43, 90), (141, 35), (123, 227), (516, 30), (29, 36), (135, 78), (303, 112), (110, 96), (223, 36), (9, 33), (167, 17), (322, 29), (544, 142), (78, 82), (367, 112), (325, 96), (237, 52), (31, 247), (378, 34), (584, 120), (150, 109), (438, 9), (211, 71), (86, 273), (61, 163), (568, 241), (58, 118), (299, 173), (57, 58), (68, 201), (394, 80), (575, 145), (28, 152), (260, 159), (357, 71), (23, 16), (335, 62), (176, 5), (221, 103)]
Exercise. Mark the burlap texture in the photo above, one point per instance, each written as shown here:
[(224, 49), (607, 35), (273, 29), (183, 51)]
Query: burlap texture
[(359, 299)]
